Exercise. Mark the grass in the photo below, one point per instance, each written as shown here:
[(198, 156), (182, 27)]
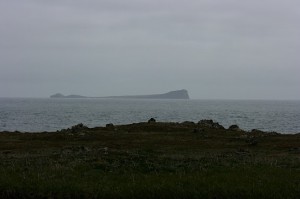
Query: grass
[(159, 160)]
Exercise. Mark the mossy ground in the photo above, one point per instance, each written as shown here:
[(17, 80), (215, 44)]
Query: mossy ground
[(156, 160)]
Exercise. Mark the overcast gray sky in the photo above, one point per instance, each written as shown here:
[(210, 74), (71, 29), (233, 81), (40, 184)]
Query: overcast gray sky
[(220, 49)]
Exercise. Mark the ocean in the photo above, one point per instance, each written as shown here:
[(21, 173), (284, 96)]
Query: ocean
[(38, 115)]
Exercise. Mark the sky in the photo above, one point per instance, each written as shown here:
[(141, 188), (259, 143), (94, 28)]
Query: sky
[(216, 49)]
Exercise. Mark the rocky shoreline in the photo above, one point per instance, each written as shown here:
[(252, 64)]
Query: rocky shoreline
[(197, 127), (150, 159)]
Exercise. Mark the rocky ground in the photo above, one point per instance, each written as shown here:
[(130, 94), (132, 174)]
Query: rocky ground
[(150, 160)]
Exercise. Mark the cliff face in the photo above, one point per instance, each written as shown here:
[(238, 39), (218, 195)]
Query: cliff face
[(178, 94)]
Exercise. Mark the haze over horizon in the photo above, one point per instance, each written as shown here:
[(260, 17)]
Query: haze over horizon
[(216, 49)]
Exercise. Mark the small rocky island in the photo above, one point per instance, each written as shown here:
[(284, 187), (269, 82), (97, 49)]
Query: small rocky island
[(178, 94)]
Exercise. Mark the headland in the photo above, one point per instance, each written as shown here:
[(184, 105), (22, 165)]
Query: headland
[(150, 160)]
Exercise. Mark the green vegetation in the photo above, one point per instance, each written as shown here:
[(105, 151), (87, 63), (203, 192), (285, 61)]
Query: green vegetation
[(149, 160)]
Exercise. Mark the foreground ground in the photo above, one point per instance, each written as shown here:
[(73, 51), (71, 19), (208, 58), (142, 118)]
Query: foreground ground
[(150, 160)]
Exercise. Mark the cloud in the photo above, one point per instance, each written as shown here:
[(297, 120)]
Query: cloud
[(119, 43)]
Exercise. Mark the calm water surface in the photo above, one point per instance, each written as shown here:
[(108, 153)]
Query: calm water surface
[(35, 115)]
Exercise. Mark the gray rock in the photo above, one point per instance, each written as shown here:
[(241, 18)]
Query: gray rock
[(256, 131), (152, 120), (110, 125), (234, 127), (210, 124), (77, 128)]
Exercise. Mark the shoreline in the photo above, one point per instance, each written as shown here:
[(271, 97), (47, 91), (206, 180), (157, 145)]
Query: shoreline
[(150, 160), (52, 115), (207, 123)]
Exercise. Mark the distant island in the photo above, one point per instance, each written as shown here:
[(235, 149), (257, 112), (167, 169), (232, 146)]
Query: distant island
[(178, 94), (59, 95)]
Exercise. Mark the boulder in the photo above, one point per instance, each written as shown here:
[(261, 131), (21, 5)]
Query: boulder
[(151, 120), (234, 127), (110, 125), (210, 124), (256, 131), (78, 127)]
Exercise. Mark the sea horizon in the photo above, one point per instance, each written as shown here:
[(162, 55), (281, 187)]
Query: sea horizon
[(46, 114)]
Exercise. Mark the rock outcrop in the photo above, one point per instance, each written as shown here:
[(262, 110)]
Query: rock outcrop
[(151, 120), (234, 127), (210, 124)]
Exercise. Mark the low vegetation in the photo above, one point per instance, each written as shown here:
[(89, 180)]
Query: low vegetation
[(150, 160)]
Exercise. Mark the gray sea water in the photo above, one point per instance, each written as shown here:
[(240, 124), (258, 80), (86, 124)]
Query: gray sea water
[(36, 115)]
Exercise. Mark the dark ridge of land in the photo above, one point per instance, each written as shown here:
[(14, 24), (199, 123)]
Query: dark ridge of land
[(59, 95), (178, 94), (150, 160)]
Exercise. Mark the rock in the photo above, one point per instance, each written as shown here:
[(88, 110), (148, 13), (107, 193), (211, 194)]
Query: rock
[(110, 125), (152, 120), (256, 131), (210, 124), (206, 122), (188, 123), (234, 127), (273, 133), (77, 127)]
